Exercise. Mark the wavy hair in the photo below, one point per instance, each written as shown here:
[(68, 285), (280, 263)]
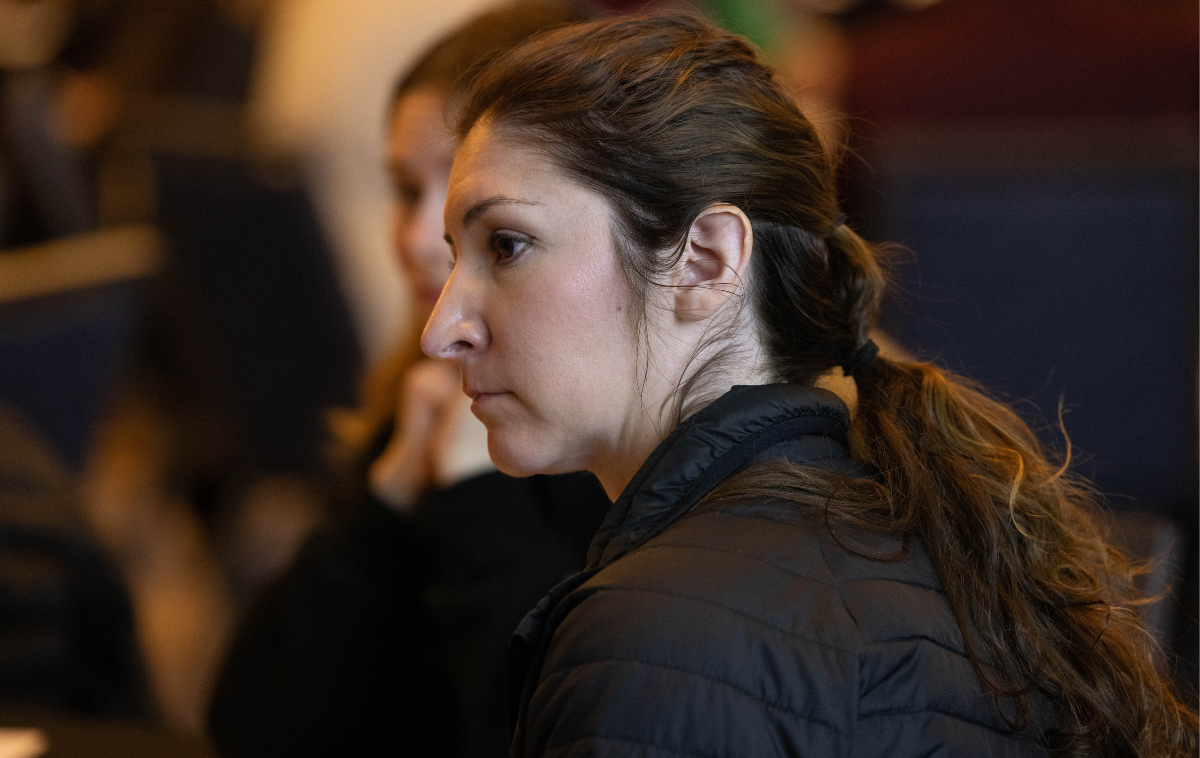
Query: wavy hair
[(666, 115)]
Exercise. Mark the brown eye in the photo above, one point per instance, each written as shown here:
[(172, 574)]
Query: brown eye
[(506, 246)]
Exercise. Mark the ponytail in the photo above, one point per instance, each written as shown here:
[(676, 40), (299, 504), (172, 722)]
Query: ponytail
[(1043, 601), (857, 279)]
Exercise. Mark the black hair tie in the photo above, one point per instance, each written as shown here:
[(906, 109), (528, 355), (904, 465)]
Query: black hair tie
[(861, 358), (838, 220)]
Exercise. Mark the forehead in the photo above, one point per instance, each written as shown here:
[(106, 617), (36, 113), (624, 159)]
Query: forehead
[(419, 129), (491, 163)]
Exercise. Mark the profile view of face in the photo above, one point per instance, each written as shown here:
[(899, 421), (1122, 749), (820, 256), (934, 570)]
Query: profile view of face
[(536, 311), (420, 153)]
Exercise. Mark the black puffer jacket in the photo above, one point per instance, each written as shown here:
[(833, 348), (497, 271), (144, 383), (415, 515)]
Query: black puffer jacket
[(387, 635), (746, 629)]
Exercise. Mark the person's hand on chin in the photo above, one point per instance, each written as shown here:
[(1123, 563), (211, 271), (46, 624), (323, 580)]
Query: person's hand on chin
[(430, 399)]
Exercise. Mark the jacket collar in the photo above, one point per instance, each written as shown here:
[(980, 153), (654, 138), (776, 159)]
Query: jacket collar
[(733, 430), (801, 424)]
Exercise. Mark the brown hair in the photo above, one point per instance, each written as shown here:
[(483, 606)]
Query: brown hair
[(665, 116), (446, 68), (448, 65)]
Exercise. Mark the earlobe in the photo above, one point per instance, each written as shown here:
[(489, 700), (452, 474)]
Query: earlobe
[(715, 259)]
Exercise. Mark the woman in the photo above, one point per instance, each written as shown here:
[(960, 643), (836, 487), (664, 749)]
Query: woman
[(814, 550), (388, 635)]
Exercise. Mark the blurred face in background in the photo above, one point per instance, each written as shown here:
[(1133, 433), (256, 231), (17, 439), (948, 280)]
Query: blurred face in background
[(420, 153)]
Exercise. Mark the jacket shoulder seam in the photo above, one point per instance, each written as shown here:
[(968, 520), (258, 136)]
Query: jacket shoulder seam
[(652, 664), (628, 741), (748, 556), (713, 604), (956, 716), (907, 582), (919, 638)]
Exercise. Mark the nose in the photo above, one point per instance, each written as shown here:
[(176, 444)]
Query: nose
[(456, 329)]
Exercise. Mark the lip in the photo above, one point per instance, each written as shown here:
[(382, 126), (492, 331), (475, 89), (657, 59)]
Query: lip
[(474, 391), (480, 401), (479, 395)]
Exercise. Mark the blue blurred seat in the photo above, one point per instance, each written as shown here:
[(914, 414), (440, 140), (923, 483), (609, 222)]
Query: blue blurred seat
[(68, 312), (1157, 545), (1060, 261)]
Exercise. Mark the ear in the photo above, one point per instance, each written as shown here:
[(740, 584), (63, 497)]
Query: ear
[(715, 260)]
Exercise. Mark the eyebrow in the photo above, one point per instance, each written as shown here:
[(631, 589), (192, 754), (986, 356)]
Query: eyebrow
[(476, 210)]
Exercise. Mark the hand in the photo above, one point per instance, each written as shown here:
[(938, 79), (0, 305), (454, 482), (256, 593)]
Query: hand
[(85, 110), (429, 394), (459, 448)]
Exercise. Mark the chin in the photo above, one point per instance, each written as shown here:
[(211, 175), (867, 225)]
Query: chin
[(514, 462), (518, 456)]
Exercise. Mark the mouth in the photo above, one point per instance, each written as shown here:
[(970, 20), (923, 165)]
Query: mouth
[(478, 396), (476, 392), (481, 398), (483, 405)]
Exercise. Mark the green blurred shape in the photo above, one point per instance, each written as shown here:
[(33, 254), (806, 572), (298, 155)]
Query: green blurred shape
[(761, 21)]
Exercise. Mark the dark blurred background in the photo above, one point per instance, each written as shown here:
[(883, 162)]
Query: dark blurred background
[(194, 267)]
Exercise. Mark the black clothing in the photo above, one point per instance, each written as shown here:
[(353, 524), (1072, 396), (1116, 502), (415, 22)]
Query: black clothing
[(744, 628), (339, 657), (388, 634), (498, 545)]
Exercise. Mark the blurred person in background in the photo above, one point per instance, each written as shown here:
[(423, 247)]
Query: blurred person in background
[(90, 90), (45, 191), (89, 86), (388, 634), (318, 95)]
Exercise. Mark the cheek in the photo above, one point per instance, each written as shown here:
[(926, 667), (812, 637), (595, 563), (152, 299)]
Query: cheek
[(419, 245), (401, 233), (577, 339)]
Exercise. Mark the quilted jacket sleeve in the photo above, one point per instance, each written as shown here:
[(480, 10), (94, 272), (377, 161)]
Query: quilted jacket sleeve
[(686, 648)]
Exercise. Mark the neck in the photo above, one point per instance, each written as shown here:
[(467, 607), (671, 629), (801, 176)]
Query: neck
[(614, 478), (618, 468)]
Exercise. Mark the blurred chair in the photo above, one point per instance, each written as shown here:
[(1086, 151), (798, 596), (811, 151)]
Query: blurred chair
[(1057, 263), (249, 254), (67, 314), (1158, 543), (67, 639)]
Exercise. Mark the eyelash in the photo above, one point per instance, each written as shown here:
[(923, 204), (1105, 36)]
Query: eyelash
[(516, 240)]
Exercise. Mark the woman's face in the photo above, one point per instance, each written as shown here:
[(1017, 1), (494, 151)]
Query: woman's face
[(420, 152), (537, 313)]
